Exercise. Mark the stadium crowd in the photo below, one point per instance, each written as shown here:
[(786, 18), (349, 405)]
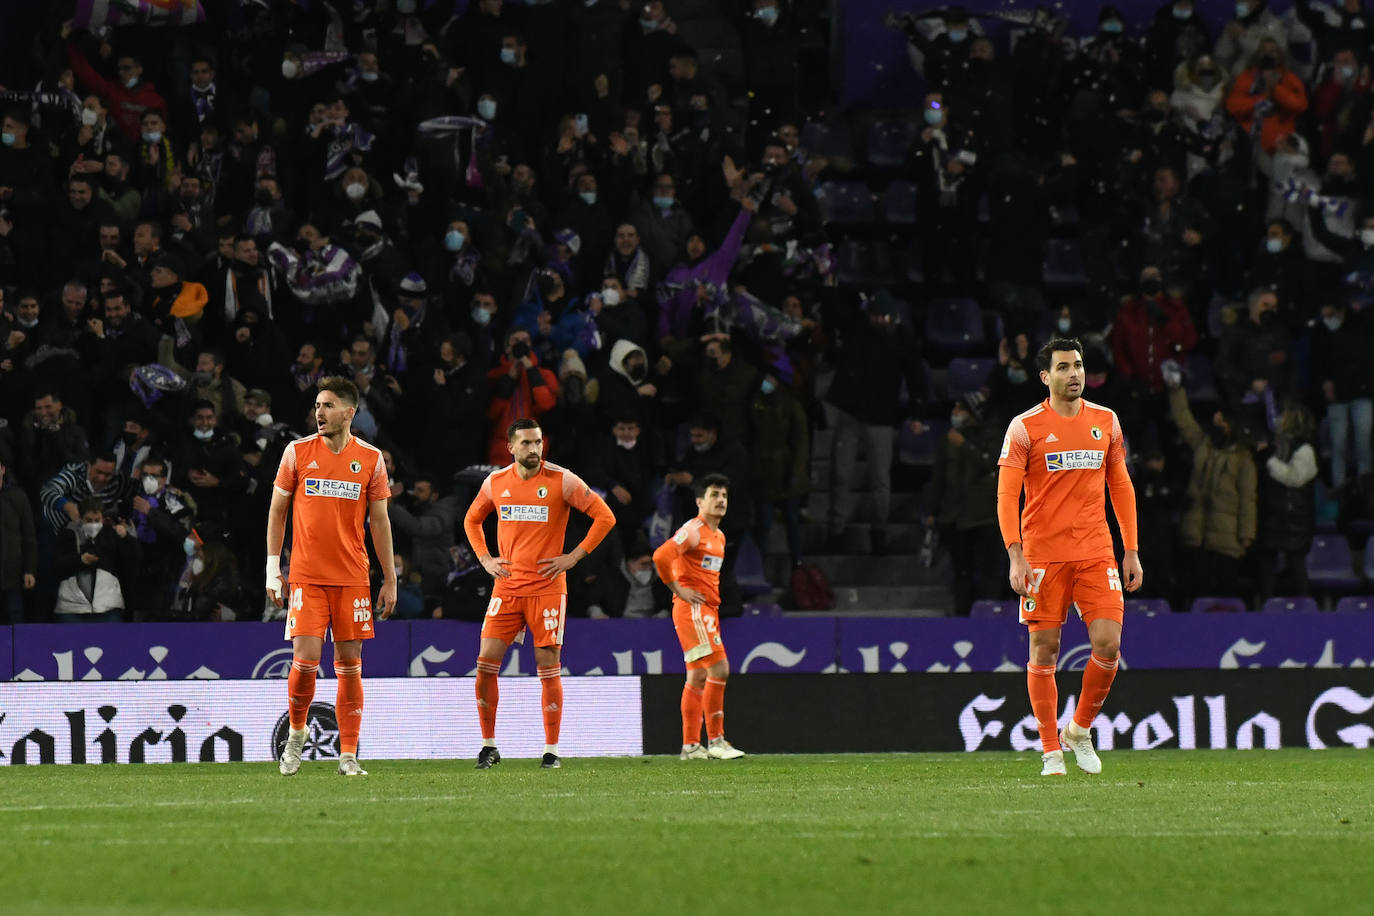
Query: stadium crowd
[(570, 211)]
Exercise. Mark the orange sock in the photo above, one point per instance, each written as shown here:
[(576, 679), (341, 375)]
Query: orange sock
[(348, 705), (1044, 700), (487, 694), (1097, 683), (691, 714), (300, 689), (551, 698), (713, 701)]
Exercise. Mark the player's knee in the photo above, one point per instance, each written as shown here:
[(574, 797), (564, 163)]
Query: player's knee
[(1044, 652), (696, 678), (1107, 647)]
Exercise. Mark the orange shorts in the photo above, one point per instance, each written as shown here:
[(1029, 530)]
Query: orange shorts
[(1092, 586), (344, 610), (698, 629), (544, 614)]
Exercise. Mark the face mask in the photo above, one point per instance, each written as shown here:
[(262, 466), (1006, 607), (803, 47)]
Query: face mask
[(453, 240), (131, 82), (1242, 10), (189, 546), (405, 7), (289, 69), (486, 109), (1208, 81), (197, 566), (369, 76), (610, 296), (1334, 323), (1152, 116), (1273, 246), (958, 420), (481, 316), (1267, 319), (933, 117), (152, 136), (128, 438), (1182, 13), (1268, 62), (8, 138), (26, 322), (588, 197), (89, 118), (507, 55), (626, 444), (91, 529), (202, 378), (768, 386), (1367, 237), (663, 203), (1345, 73), (204, 435), (648, 25), (1218, 436), (1151, 286), (701, 447), (636, 373), (1017, 376), (957, 35), (1064, 324), (355, 190), (768, 15), (151, 484), (1112, 27), (644, 576)]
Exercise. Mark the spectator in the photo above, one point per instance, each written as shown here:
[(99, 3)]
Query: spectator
[(1255, 30), (1341, 342), (49, 440), (18, 547), (378, 389), (1290, 501), (129, 97), (1177, 35), (94, 562), (1255, 355), (942, 165), (427, 520), (699, 281), (780, 458), (1152, 326), (662, 222), (208, 466), (626, 387), (629, 262), (454, 409), (1160, 502), (520, 388), (210, 587), (625, 585), (1267, 97), (135, 443), (621, 465), (726, 384), (210, 382), (161, 518)]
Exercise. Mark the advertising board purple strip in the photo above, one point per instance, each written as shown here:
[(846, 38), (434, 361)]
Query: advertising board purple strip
[(757, 645)]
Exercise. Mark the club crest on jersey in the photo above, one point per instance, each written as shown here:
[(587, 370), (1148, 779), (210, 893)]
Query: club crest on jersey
[(1076, 460), (515, 513), (542, 492), (356, 466), (1096, 432), (335, 489)]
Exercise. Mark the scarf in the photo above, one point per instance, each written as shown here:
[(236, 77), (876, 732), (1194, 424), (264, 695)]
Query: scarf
[(464, 269), (1295, 189), (345, 140), (165, 173), (204, 101)]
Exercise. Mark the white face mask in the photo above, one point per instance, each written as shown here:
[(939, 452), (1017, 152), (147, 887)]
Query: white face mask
[(626, 444), (151, 484), (91, 529), (89, 118), (204, 435), (610, 296), (355, 190), (1367, 237), (643, 576), (197, 566), (1333, 323), (289, 69), (189, 546)]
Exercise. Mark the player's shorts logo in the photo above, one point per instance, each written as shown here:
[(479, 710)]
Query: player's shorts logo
[(550, 618), (1028, 604), (543, 492), (355, 466), (362, 611), (1096, 432)]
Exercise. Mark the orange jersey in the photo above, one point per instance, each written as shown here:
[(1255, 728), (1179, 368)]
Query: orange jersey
[(1066, 461), (532, 522), (692, 558), (330, 496)]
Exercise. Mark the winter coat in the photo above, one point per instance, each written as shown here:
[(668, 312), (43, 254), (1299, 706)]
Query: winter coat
[(618, 396), (1222, 491), (430, 528), (44, 452), (18, 542), (871, 365), (98, 588), (778, 444), (664, 232), (1341, 356), (1250, 351), (677, 302), (1290, 499), (964, 485), (1140, 343), (531, 395), (726, 393), (1288, 98)]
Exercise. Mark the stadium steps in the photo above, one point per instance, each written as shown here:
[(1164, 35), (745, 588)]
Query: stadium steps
[(902, 538), (890, 570)]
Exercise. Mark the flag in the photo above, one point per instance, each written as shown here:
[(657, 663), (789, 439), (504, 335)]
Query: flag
[(97, 14)]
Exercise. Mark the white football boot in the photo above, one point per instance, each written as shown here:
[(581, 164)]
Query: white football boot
[(1080, 741), (291, 754), (1054, 764), (349, 766), (720, 749)]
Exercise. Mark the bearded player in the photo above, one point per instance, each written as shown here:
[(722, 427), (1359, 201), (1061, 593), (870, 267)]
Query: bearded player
[(1066, 453), (531, 498), (689, 564), (331, 482)]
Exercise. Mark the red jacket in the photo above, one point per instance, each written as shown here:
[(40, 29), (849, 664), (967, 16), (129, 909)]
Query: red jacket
[(1140, 343), (1288, 97), (126, 105), (522, 400)]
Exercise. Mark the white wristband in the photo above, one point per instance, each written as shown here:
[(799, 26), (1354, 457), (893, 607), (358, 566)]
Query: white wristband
[(274, 567)]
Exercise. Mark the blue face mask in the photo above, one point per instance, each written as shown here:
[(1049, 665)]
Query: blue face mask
[(934, 116), (507, 55), (588, 197), (481, 316), (663, 203), (8, 138), (453, 240), (405, 7), (152, 136), (486, 109), (768, 386), (649, 25), (1273, 246), (957, 35), (768, 15), (1183, 14), (1017, 376), (1334, 323), (1242, 10), (1112, 27), (368, 76)]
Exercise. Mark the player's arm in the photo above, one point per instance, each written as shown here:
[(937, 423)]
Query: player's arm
[(1122, 492), (386, 555), (282, 488), (668, 552), (496, 566), (1009, 482), (580, 497)]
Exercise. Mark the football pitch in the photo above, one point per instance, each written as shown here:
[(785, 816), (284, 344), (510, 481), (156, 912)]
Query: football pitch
[(1159, 832)]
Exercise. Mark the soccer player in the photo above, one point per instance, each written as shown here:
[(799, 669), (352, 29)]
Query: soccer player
[(531, 498), (332, 482), (1065, 453), (689, 564)]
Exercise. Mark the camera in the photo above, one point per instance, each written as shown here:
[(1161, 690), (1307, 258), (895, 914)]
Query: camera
[(520, 350)]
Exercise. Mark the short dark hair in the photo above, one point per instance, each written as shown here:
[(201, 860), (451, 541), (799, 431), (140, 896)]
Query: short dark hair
[(153, 226), (338, 385), (203, 404), (1045, 358), (702, 484), (81, 179), (522, 423), (154, 459), (104, 454), (704, 420), (90, 504)]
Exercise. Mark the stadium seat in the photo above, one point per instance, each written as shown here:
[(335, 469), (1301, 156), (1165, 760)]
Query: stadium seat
[(1151, 607), (1369, 559), (911, 255), (1290, 606), (1210, 605), (762, 609), (1355, 604), (1001, 609), (889, 144), (864, 265), (919, 451), (899, 204), (845, 203), (968, 374), (820, 138), (1329, 564), (954, 325), (749, 570), (1064, 264), (1200, 383), (1065, 215)]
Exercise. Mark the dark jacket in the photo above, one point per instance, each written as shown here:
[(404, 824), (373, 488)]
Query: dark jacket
[(871, 364), (1222, 492), (779, 442), (117, 556), (1342, 357), (44, 452), (430, 530), (1250, 351), (1290, 498), (964, 485), (18, 541)]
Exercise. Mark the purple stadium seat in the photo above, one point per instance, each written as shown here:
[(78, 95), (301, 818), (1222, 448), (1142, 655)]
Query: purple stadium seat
[(889, 144), (1001, 609), (968, 374), (954, 325), (1290, 606), (827, 139), (1064, 264), (1149, 606), (915, 273), (1200, 383), (1355, 604), (899, 204), (845, 203), (1329, 564), (920, 450), (1211, 605), (762, 609), (749, 570)]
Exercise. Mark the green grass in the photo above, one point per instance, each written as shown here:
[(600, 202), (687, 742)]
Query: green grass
[(1166, 831)]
